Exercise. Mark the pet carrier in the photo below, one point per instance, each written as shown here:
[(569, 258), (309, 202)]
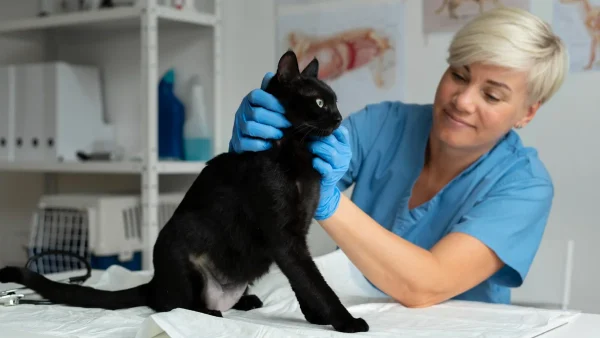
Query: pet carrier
[(103, 229)]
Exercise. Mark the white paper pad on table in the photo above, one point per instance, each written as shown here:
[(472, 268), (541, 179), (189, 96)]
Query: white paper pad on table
[(281, 317)]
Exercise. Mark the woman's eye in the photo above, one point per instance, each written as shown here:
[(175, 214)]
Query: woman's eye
[(492, 98), (457, 76), (320, 103)]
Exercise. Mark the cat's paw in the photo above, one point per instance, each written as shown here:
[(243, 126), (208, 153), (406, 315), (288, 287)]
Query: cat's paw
[(248, 302), (11, 274), (214, 313), (209, 312), (352, 326)]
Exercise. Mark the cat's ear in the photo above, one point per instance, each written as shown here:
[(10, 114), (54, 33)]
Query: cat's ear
[(312, 69), (287, 68)]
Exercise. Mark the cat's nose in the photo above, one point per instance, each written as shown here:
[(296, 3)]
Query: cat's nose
[(337, 121)]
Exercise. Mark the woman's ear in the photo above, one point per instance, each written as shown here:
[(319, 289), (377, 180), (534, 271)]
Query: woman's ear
[(529, 115)]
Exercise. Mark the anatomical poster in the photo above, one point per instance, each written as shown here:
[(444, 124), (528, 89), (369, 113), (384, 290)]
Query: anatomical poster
[(450, 15), (577, 22), (358, 45)]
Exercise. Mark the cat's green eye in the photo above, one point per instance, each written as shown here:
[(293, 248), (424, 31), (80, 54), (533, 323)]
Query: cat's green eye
[(320, 103)]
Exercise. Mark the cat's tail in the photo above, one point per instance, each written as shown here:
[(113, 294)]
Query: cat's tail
[(75, 295)]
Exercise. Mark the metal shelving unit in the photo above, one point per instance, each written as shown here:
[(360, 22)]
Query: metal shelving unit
[(145, 16)]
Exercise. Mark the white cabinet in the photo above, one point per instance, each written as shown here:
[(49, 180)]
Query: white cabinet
[(133, 47)]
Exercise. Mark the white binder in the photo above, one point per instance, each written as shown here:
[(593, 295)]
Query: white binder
[(32, 98), (50, 111), (7, 113)]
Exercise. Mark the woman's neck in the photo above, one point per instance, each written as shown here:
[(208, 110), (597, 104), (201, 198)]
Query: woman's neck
[(443, 163)]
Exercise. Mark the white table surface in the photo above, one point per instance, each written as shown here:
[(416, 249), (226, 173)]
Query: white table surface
[(584, 326)]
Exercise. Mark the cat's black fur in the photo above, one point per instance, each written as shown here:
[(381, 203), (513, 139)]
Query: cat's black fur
[(242, 213)]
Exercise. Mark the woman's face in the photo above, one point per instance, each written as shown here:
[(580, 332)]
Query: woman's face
[(477, 104)]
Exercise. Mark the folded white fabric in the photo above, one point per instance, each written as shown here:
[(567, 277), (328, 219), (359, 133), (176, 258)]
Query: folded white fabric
[(280, 316)]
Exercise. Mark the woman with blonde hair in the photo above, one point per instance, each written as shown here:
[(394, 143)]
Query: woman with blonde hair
[(447, 201)]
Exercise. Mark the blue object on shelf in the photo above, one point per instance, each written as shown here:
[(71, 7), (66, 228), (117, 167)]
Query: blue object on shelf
[(59, 263), (198, 149), (171, 117)]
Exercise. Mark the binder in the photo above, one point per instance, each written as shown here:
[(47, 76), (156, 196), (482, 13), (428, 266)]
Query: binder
[(32, 103), (50, 111), (7, 113)]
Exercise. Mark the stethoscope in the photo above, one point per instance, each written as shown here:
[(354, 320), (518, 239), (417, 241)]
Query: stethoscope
[(13, 297)]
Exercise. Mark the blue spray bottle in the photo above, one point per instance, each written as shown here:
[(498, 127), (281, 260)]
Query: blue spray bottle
[(171, 116)]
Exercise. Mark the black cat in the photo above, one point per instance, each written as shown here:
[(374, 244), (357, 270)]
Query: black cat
[(242, 213)]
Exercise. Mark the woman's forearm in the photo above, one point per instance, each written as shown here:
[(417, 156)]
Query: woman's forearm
[(399, 268), (406, 272)]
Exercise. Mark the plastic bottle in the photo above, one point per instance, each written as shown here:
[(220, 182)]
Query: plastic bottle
[(196, 135), (171, 116)]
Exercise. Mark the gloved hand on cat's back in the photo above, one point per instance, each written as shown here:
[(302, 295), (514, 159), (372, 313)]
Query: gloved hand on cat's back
[(260, 118)]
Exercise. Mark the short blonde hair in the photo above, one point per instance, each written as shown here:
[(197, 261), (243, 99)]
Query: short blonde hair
[(516, 39)]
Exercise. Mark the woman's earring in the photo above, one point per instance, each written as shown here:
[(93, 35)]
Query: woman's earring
[(519, 126)]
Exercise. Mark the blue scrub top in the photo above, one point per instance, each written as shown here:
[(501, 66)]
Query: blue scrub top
[(503, 199)]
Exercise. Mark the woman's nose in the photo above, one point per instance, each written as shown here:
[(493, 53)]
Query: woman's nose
[(463, 101)]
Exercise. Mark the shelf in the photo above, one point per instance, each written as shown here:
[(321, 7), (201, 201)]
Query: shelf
[(73, 167), (164, 167), (174, 167), (121, 17), (194, 18)]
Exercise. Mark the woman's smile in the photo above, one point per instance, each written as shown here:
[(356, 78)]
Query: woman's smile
[(456, 122)]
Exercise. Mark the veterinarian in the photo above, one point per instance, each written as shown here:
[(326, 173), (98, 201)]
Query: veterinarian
[(447, 201)]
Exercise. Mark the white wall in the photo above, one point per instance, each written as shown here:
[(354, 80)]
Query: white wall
[(249, 52)]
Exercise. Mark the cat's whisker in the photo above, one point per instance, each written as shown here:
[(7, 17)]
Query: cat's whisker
[(308, 128), (303, 127), (298, 130), (305, 135)]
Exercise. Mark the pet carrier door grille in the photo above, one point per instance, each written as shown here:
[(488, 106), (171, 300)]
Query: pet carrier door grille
[(59, 229)]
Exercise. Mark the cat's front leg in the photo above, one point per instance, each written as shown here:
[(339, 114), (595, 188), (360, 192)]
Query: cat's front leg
[(316, 297), (311, 316)]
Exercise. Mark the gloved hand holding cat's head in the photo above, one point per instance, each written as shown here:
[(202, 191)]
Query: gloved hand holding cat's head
[(290, 98), (310, 104), (299, 102)]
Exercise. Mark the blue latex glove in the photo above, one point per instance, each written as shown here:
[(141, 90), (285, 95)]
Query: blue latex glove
[(333, 155), (258, 120)]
